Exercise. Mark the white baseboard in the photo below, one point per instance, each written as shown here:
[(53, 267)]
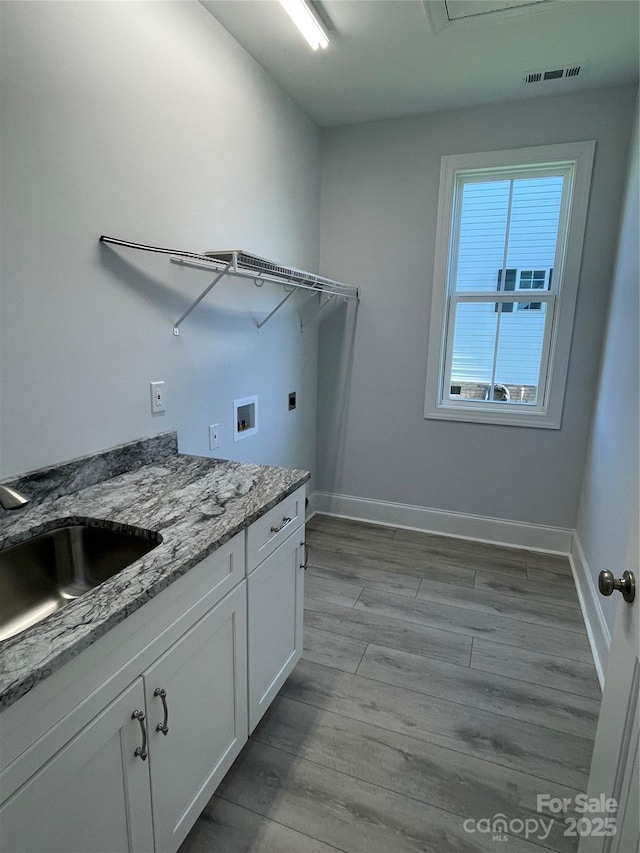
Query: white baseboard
[(555, 540), (597, 628)]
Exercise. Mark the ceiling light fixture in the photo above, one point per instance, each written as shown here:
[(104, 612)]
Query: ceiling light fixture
[(303, 17)]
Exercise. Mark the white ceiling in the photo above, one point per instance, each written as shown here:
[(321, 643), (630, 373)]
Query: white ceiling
[(400, 57)]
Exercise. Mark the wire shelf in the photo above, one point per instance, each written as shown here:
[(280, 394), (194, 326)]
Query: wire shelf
[(235, 262)]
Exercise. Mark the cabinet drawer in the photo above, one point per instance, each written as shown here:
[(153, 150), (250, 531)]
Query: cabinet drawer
[(265, 534)]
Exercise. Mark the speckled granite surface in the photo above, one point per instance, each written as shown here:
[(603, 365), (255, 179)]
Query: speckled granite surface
[(194, 503)]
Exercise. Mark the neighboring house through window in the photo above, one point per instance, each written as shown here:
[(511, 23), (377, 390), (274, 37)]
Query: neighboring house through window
[(510, 223), (524, 280)]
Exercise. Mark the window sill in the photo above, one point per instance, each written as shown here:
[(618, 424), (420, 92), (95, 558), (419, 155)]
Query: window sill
[(500, 417)]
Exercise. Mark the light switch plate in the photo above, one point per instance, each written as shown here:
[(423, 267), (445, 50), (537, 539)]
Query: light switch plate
[(214, 441)]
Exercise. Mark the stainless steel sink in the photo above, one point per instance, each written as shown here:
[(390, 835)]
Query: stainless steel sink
[(43, 574)]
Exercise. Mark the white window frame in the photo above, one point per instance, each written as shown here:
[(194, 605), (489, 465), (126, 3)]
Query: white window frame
[(519, 287), (577, 159)]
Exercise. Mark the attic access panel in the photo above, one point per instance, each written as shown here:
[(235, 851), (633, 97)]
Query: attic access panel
[(460, 14), (457, 9)]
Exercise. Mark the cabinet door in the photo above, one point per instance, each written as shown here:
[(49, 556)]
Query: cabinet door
[(275, 592), (204, 677), (93, 795)]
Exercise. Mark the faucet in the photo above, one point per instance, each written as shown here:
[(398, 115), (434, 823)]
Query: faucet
[(11, 499)]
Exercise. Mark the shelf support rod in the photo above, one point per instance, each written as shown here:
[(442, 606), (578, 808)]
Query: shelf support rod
[(176, 329), (317, 311), (277, 308)]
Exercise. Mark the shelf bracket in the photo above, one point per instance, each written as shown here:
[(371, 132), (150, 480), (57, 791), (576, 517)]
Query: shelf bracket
[(176, 325), (317, 311), (277, 308)]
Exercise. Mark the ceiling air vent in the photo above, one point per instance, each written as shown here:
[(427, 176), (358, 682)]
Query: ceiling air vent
[(554, 73)]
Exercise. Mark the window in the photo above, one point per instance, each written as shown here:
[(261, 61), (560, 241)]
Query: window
[(509, 223), (524, 280)]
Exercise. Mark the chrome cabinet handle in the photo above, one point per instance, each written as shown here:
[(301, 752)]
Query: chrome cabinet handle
[(141, 751), (285, 521), (164, 726), (306, 555), (626, 585)]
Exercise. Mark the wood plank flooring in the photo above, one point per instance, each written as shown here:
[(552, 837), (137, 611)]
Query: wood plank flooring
[(443, 682)]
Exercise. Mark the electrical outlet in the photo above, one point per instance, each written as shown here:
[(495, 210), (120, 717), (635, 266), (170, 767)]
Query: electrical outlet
[(157, 397), (214, 442)]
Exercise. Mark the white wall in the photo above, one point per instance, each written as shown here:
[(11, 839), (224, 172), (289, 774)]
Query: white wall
[(609, 496), (378, 224), (148, 122)]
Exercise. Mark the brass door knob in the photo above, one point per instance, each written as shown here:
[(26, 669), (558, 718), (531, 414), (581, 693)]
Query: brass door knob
[(607, 584)]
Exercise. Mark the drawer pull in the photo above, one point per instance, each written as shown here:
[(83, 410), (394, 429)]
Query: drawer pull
[(164, 726), (285, 521), (141, 751), (306, 555)]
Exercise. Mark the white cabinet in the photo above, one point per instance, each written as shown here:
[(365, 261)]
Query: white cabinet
[(121, 783), (275, 595), (203, 677), (72, 777), (92, 795), (202, 661), (275, 598)]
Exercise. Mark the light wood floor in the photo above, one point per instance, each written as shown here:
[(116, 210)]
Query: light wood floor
[(442, 681)]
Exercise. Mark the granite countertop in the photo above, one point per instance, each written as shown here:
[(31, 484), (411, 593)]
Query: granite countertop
[(195, 504)]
